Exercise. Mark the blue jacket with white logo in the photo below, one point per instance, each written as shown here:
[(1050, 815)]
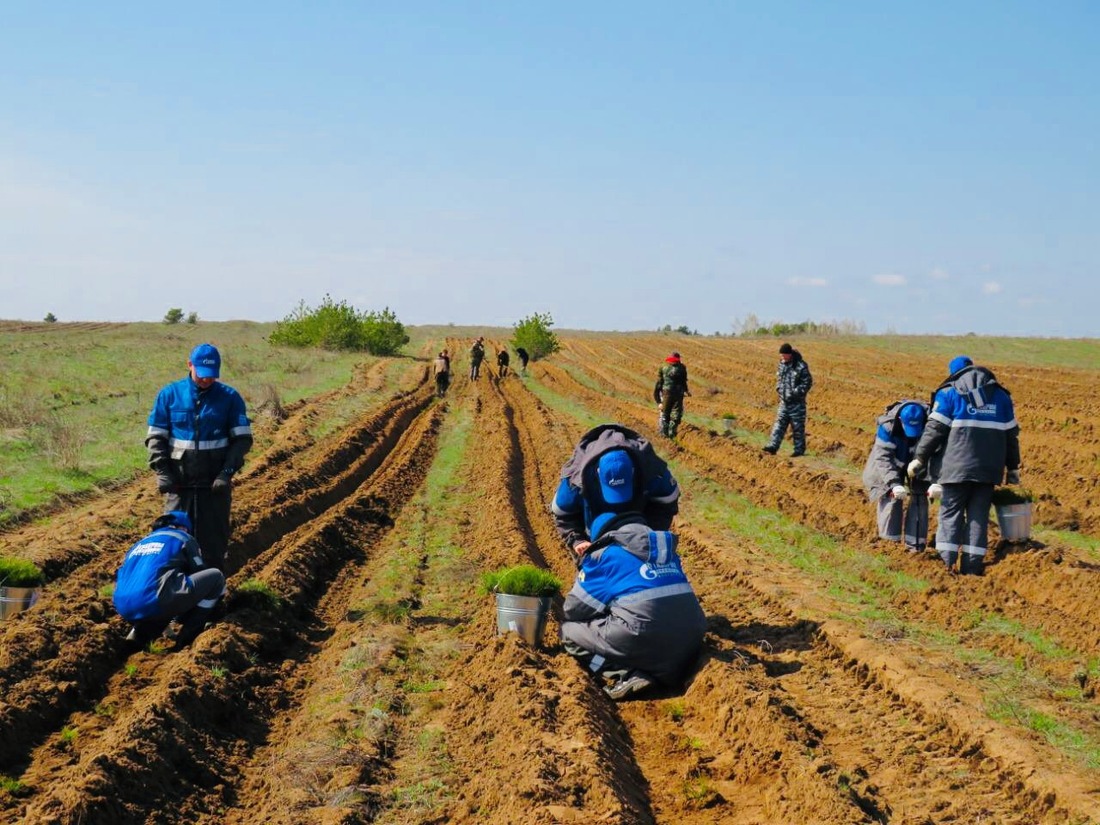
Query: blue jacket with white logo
[(153, 569), (972, 428), (632, 603), (578, 500), (194, 434)]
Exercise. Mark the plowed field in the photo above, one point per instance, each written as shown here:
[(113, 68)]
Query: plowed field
[(843, 679)]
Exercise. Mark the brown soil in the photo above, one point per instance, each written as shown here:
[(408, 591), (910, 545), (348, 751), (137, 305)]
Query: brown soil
[(793, 714)]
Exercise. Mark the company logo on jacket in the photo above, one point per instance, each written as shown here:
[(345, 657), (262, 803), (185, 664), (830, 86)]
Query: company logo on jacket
[(649, 572)]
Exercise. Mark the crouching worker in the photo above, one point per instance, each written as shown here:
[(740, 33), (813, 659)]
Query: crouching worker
[(632, 616), (163, 578), (902, 509)]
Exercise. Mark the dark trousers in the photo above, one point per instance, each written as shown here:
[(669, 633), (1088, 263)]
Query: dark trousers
[(792, 414), (442, 381), (964, 524), (209, 514), (192, 604)]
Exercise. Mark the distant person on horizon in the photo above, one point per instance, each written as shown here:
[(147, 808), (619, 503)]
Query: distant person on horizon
[(669, 392), (164, 577), (523, 359), (477, 355), (973, 435), (442, 369), (198, 435), (793, 382), (902, 501)]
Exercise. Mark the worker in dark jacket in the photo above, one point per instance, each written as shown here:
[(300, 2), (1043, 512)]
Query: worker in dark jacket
[(612, 469), (477, 355), (902, 502), (502, 363), (669, 392), (632, 615), (198, 435), (793, 382), (972, 432), (163, 577)]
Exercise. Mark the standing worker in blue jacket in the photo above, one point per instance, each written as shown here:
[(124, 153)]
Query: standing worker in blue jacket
[(902, 506), (632, 616), (972, 432), (198, 435), (613, 469), (163, 577), (793, 382)]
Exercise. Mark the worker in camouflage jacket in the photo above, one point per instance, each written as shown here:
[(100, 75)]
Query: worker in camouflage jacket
[(793, 382), (973, 434), (902, 502), (669, 392)]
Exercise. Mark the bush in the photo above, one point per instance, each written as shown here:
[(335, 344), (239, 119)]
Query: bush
[(173, 316), (50, 318), (192, 317), (534, 335), (521, 580), (338, 326), (19, 573)]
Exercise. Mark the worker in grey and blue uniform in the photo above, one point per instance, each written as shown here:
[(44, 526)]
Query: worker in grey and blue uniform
[(793, 382), (163, 577), (902, 506), (198, 435), (972, 432), (579, 498)]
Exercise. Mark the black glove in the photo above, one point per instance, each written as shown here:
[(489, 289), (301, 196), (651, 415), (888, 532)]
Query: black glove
[(1012, 476), (167, 483), (221, 483)]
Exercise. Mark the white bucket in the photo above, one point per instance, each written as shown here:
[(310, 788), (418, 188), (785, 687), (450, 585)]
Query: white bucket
[(1014, 521), (525, 615), (17, 599)]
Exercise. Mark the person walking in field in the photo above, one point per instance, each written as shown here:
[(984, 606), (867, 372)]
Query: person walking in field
[(631, 616), (973, 434), (523, 359), (441, 367), (198, 435), (793, 382), (669, 392), (902, 506), (162, 578), (477, 355), (502, 363), (613, 469)]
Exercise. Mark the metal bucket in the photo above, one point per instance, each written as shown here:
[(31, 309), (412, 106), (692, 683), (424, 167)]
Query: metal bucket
[(525, 615), (1014, 521), (16, 599)]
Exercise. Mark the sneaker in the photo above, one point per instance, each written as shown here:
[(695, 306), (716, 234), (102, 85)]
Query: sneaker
[(770, 450), (630, 684)]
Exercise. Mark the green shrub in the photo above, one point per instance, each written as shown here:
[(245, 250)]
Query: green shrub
[(258, 595), (534, 335), (521, 580), (173, 316), (338, 326), (19, 573)]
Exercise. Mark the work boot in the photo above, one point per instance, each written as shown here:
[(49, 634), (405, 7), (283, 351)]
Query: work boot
[(770, 450), (971, 564), (798, 453), (632, 683), (949, 558)]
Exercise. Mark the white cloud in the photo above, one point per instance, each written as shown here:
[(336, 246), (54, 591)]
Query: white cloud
[(889, 279), (938, 274), (807, 282), (991, 287)]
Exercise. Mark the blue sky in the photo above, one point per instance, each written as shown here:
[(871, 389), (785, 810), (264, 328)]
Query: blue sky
[(918, 168)]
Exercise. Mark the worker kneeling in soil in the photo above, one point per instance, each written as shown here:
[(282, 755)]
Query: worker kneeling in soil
[(632, 616), (162, 578)]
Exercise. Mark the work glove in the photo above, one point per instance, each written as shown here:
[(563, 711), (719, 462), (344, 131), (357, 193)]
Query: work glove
[(915, 466), (167, 483), (1012, 476), (899, 492), (221, 483), (935, 491)]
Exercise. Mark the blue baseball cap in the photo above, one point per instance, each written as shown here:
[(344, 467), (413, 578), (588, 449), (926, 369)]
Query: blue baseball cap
[(616, 472), (173, 518), (206, 360), (957, 363), (912, 418)]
